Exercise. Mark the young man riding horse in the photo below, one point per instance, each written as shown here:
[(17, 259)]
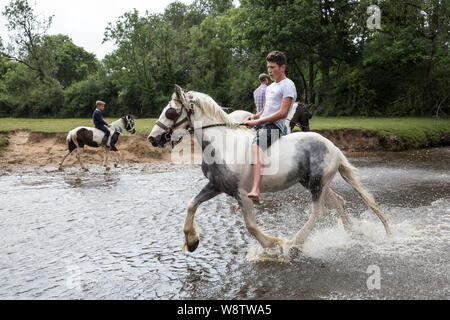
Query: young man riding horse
[(270, 122)]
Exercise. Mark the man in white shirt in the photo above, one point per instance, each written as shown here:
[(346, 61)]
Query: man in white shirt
[(270, 122)]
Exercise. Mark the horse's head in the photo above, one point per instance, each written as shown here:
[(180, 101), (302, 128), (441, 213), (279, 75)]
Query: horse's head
[(175, 116), (129, 123), (302, 116)]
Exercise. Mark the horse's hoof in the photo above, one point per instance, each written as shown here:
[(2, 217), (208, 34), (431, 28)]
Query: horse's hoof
[(116, 166), (191, 248), (108, 168), (294, 252), (86, 169), (60, 169)]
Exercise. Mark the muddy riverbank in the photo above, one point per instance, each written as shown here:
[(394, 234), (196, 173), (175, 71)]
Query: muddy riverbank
[(27, 148)]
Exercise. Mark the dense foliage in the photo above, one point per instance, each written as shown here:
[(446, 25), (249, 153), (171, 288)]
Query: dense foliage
[(335, 59)]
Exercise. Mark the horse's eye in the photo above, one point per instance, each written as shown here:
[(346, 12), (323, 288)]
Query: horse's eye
[(172, 114)]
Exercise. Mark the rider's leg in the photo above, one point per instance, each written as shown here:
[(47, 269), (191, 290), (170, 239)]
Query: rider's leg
[(258, 157), (105, 137), (267, 134)]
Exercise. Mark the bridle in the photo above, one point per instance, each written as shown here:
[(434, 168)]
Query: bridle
[(173, 115), (129, 124)]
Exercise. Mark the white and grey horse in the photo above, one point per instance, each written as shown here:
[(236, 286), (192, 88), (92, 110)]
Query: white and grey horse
[(85, 136), (299, 158)]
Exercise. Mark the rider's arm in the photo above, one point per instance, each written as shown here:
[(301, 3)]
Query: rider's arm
[(280, 115), (103, 121), (258, 115)]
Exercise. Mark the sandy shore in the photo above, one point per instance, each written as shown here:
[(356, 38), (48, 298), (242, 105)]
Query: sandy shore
[(27, 148)]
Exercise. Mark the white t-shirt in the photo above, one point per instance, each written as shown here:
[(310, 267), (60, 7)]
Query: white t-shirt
[(275, 94)]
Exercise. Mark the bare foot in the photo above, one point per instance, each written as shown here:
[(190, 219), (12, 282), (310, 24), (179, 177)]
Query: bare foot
[(254, 197)]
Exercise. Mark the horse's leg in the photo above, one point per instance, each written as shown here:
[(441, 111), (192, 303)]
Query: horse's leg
[(80, 151), (318, 208), (190, 231), (337, 202), (105, 162), (64, 159), (250, 222), (117, 159), (117, 152)]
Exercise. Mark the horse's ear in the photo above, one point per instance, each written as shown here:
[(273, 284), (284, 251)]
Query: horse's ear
[(179, 92)]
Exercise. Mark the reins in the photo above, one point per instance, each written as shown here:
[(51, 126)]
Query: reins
[(192, 130)]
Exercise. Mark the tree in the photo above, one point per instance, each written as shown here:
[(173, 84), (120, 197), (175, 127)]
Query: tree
[(27, 31), (66, 62)]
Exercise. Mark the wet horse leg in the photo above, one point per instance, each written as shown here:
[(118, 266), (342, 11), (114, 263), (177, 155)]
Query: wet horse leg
[(117, 153), (117, 159), (80, 151), (105, 162), (318, 209), (64, 159), (337, 202), (190, 231), (250, 221)]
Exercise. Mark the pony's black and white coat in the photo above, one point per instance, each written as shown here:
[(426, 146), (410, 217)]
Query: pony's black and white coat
[(80, 137)]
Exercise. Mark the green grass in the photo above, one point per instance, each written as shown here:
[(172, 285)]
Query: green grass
[(412, 132), (143, 126)]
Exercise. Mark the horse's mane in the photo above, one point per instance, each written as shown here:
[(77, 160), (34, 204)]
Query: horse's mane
[(211, 109)]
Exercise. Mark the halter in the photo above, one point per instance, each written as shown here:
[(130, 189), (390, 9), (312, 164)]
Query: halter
[(128, 123), (173, 115)]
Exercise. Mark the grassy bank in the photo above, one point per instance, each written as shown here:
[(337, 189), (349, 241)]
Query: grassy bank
[(143, 126), (411, 132), (3, 142)]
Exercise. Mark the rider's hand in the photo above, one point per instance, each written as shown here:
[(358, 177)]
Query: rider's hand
[(254, 117), (251, 123)]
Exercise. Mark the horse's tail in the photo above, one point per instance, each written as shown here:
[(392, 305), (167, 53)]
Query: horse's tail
[(347, 172)]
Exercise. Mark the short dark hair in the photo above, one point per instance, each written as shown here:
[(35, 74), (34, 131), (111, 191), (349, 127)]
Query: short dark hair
[(263, 77), (278, 57)]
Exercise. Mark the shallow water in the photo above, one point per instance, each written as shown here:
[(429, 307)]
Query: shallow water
[(118, 235)]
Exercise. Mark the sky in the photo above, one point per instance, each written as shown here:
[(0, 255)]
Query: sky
[(85, 21)]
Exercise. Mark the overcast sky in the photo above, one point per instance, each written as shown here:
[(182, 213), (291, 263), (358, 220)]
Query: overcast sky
[(85, 20)]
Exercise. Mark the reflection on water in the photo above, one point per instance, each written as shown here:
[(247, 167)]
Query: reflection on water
[(118, 235)]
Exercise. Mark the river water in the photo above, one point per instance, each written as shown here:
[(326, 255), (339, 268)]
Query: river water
[(118, 235)]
